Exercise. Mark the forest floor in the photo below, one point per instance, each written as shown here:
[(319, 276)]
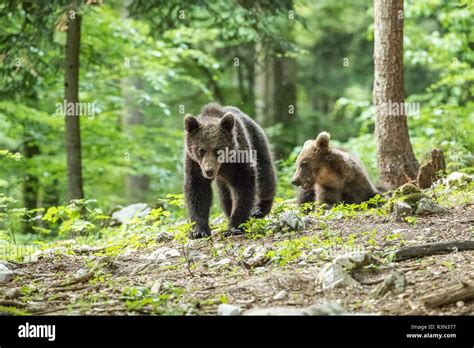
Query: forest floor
[(142, 274)]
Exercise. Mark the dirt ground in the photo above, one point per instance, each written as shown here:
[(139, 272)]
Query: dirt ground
[(209, 272)]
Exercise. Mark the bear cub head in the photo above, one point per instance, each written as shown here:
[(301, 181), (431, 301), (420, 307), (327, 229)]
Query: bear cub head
[(207, 138), (312, 162)]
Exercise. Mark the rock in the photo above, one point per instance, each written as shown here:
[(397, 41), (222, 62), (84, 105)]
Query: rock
[(400, 230), (196, 243), (163, 254), (316, 255), (401, 210), (196, 256), (273, 311), (457, 179), (81, 272), (332, 275), (48, 253), (164, 236), (7, 264), (255, 256), (280, 295), (426, 206), (326, 308), (227, 309), (259, 270), (406, 189), (223, 263), (6, 274), (156, 287), (137, 210), (353, 260), (460, 304), (395, 283), (290, 221)]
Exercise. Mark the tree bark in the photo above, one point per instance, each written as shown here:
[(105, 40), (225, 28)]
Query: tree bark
[(284, 89), (264, 87), (416, 251), (71, 95), (395, 157), (136, 186)]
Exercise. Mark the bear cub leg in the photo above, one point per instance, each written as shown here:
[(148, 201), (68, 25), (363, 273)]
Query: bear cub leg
[(198, 194)]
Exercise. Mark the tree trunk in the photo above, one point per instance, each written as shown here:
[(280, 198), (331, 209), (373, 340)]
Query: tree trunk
[(284, 71), (31, 181), (71, 95), (264, 88), (395, 158), (136, 186)]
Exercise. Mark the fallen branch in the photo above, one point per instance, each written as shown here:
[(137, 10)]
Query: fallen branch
[(75, 287), (458, 292), (411, 252), (11, 303), (72, 281)]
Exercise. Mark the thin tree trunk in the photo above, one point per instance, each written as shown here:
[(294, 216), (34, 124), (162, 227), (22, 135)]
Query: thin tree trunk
[(285, 89), (136, 186), (264, 87), (395, 158), (71, 95)]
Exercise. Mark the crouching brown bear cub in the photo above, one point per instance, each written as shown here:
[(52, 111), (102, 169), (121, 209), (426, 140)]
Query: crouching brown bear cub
[(224, 144), (329, 175)]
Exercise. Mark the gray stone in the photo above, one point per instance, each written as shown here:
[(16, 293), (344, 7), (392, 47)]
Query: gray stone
[(280, 295), (332, 275), (137, 210), (6, 274), (227, 309), (326, 308), (81, 272), (164, 236), (401, 210), (223, 263), (290, 221), (7, 264), (259, 270), (353, 260), (457, 179), (255, 256), (395, 283), (196, 256), (163, 254), (273, 311), (426, 206)]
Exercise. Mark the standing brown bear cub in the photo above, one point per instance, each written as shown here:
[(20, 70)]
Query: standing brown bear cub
[(224, 144), (329, 175)]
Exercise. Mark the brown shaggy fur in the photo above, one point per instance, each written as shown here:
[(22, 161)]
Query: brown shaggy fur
[(329, 175), (245, 189)]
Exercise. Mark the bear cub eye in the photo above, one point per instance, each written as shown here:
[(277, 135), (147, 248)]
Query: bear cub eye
[(201, 151), (304, 164)]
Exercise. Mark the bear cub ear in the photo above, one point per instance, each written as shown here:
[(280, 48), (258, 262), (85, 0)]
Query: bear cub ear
[(227, 121), (322, 141), (191, 123)]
